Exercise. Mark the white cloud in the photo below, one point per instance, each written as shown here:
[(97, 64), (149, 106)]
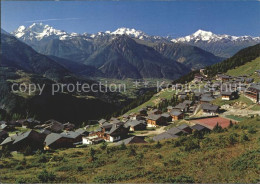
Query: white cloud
[(47, 20)]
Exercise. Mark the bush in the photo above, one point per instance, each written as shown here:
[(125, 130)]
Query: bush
[(45, 176), (19, 167), (103, 146), (158, 145), (232, 138), (191, 144), (218, 129), (131, 151), (28, 151), (251, 130), (80, 168), (244, 138), (42, 158), (123, 146)]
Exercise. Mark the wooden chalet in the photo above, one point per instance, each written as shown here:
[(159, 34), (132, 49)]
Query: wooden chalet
[(229, 95), (209, 108), (154, 120), (132, 140), (176, 114), (56, 141), (253, 92), (136, 125)]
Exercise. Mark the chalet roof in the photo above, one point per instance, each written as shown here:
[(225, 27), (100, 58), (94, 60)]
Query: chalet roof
[(166, 115), (206, 98), (255, 87), (3, 126), (102, 121), (134, 139), (115, 128), (180, 106), (164, 135), (227, 93), (23, 136), (169, 107), (134, 123), (199, 127), (210, 107), (8, 140), (2, 122), (81, 131), (53, 137), (45, 131), (114, 121), (181, 127), (154, 116), (175, 131), (175, 112), (153, 111), (71, 134), (189, 102)]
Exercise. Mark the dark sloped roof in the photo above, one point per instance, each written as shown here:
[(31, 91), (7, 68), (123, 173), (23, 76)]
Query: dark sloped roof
[(154, 116), (210, 107), (22, 136), (164, 135), (71, 134), (198, 127), (134, 139), (134, 122), (175, 112), (174, 131), (51, 138)]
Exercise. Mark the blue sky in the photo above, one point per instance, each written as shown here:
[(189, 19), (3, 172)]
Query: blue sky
[(176, 18)]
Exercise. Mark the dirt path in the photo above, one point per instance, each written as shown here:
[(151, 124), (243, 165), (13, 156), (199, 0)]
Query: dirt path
[(153, 132), (230, 110)]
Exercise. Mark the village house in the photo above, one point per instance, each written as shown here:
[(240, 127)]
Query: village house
[(142, 112), (206, 98), (167, 117), (185, 128), (101, 122), (200, 128), (132, 140), (154, 120), (69, 126), (30, 123), (116, 133), (229, 95), (198, 78), (169, 108), (176, 114), (209, 108), (136, 125), (164, 136), (181, 107), (56, 141), (76, 136), (223, 77), (95, 139), (21, 141), (3, 135), (253, 92), (155, 111)]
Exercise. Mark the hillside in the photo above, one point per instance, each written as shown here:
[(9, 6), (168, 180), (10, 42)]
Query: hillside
[(125, 58), (216, 158), (247, 69), (240, 58), (191, 56)]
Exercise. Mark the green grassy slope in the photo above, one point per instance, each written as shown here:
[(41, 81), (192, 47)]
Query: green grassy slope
[(247, 69), (226, 157)]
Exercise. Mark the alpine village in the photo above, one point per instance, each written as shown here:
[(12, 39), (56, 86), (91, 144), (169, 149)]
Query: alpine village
[(205, 133)]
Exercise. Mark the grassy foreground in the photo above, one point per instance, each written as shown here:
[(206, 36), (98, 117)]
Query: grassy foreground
[(225, 156)]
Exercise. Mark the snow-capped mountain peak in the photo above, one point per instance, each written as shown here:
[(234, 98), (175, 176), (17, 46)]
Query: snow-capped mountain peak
[(130, 32), (207, 36), (39, 31)]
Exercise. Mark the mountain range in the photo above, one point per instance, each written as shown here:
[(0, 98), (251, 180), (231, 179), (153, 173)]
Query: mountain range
[(90, 49), (223, 45)]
